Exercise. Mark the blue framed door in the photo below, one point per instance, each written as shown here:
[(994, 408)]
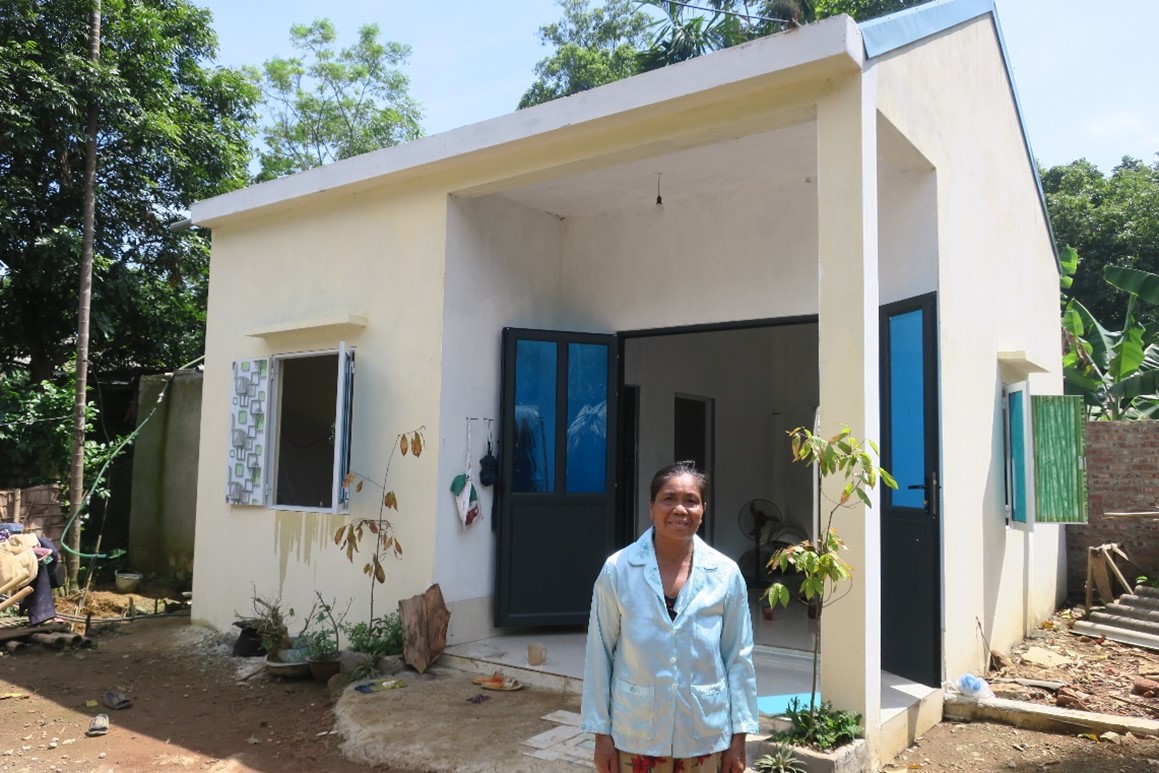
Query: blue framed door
[(911, 594), (557, 455)]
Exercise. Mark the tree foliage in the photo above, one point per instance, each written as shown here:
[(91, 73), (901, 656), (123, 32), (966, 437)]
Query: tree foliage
[(1115, 371), (681, 33), (593, 46), (330, 103), (598, 45), (1111, 220), (172, 130)]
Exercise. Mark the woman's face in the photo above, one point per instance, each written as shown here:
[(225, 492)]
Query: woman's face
[(678, 509)]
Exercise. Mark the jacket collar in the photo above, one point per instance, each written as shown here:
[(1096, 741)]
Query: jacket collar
[(704, 559)]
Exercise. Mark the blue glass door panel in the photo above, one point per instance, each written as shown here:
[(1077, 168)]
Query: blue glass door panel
[(534, 431), (555, 513), (907, 427), (587, 418)]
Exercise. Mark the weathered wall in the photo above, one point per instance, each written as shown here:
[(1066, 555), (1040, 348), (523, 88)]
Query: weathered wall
[(164, 507), (1122, 476), (37, 507)]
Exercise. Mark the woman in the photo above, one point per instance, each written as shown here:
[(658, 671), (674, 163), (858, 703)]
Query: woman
[(669, 684)]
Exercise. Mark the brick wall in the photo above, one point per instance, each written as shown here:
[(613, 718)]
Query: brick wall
[(38, 508), (1122, 476)]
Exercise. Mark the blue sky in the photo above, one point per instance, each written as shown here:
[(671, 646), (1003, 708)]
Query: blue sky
[(1084, 71)]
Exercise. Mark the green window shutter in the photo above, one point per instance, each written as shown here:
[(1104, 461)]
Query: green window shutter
[(247, 433), (1019, 460), (1060, 485)]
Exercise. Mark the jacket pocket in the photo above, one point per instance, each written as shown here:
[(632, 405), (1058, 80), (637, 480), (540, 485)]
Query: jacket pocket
[(632, 708), (712, 719)]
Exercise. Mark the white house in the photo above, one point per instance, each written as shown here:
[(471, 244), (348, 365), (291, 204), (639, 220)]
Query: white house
[(684, 264)]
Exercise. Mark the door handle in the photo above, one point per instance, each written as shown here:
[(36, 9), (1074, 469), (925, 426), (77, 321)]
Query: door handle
[(930, 487)]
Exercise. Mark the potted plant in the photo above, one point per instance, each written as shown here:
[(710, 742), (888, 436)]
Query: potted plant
[(265, 631), (322, 651)]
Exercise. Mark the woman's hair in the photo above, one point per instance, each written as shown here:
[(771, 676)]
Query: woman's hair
[(687, 467)]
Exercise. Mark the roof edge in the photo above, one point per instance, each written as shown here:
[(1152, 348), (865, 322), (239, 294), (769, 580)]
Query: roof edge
[(834, 40)]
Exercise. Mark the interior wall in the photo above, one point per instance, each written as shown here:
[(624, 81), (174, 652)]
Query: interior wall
[(740, 254), (763, 382), (502, 271)]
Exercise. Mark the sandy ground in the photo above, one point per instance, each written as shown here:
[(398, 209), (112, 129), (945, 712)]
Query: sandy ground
[(197, 708)]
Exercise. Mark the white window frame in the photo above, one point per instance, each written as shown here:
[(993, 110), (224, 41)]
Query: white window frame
[(1027, 416), (343, 409)]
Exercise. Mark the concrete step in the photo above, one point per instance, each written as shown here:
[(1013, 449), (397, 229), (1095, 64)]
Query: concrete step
[(908, 710)]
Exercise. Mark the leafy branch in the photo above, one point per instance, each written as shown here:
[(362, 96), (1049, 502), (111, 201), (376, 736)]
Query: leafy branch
[(820, 562)]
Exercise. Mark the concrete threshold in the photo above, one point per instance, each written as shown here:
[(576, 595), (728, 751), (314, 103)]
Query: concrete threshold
[(535, 677), (1051, 719)]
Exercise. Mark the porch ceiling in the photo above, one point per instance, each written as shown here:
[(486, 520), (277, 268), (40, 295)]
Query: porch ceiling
[(787, 153)]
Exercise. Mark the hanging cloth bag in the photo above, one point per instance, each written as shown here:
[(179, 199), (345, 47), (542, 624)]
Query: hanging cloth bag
[(466, 498)]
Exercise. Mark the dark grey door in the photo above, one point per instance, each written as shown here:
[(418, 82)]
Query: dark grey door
[(557, 514), (910, 531)]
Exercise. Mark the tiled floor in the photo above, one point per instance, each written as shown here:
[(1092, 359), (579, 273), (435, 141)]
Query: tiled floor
[(564, 742)]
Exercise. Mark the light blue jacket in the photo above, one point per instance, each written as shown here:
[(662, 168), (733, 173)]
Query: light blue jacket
[(663, 687)]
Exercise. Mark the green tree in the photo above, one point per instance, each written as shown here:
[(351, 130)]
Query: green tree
[(682, 33), (593, 46), (334, 104), (1111, 220), (172, 130)]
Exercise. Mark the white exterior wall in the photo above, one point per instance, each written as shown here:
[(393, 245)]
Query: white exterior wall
[(375, 255), (502, 271), (998, 290)]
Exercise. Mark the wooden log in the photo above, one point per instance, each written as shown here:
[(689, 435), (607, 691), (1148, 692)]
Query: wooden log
[(54, 641), (425, 620), (12, 647)]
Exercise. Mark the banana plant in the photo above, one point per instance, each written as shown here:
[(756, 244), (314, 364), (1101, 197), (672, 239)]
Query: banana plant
[(1116, 372)]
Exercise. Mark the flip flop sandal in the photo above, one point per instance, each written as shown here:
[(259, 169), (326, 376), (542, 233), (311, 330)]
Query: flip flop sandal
[(506, 685), (495, 677), (389, 684), (99, 725), (117, 700)]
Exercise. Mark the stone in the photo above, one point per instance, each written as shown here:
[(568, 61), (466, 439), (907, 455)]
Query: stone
[(1039, 656)]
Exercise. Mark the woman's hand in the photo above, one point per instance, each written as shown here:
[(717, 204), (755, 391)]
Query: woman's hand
[(605, 756), (733, 760)]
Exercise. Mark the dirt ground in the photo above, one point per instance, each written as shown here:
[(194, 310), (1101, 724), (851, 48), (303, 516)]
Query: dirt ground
[(197, 708)]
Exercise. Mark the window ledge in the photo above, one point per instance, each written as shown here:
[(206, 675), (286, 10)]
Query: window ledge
[(1016, 365), (336, 323)]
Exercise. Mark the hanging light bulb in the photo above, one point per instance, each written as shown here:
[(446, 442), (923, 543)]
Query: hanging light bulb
[(659, 200)]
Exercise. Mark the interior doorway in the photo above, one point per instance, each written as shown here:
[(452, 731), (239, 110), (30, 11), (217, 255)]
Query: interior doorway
[(725, 396), (692, 434)]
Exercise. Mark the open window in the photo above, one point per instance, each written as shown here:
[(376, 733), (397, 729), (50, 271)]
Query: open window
[(290, 431), (1045, 458)]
